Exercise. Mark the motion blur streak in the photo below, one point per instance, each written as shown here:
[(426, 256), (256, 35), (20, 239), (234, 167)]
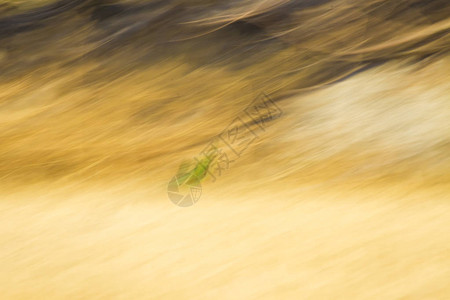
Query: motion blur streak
[(346, 196)]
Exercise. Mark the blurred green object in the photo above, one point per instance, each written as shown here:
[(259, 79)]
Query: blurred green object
[(188, 175)]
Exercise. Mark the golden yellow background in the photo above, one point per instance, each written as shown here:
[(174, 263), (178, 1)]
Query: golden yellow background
[(346, 196)]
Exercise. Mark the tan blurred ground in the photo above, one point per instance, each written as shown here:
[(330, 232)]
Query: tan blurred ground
[(118, 244)]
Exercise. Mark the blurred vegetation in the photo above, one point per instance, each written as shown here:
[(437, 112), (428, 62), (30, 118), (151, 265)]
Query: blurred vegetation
[(90, 88)]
